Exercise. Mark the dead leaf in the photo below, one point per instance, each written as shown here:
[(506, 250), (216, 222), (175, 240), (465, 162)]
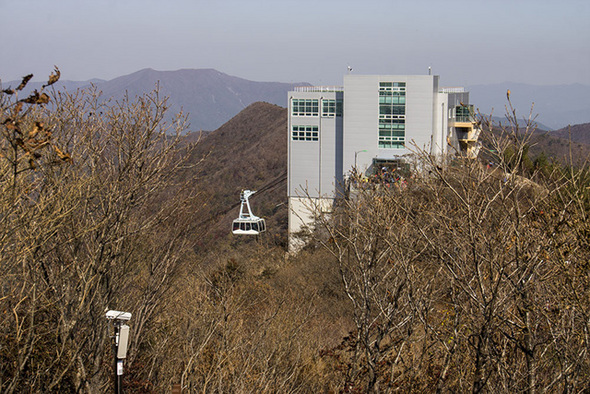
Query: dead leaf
[(24, 82), (36, 98), (62, 155), (17, 108), (53, 78)]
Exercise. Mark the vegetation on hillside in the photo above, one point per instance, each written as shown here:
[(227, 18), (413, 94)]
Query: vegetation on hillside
[(92, 218), (248, 152), (469, 277)]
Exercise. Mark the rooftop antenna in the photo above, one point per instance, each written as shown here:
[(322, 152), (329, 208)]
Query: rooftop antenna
[(429, 70)]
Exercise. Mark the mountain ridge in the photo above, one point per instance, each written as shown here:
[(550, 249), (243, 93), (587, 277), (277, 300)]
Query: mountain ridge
[(555, 106), (211, 97)]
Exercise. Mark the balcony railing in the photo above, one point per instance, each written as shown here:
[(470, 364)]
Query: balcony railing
[(307, 89), (452, 90), (463, 118)]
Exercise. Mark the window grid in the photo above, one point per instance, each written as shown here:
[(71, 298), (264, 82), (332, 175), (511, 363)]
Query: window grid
[(463, 113), (331, 108), (392, 115), (305, 107), (305, 133)]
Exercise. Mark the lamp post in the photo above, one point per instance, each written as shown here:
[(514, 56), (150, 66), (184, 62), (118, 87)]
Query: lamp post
[(356, 154)]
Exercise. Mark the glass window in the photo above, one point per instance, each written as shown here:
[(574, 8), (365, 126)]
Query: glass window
[(304, 107), (463, 113), (331, 108), (392, 115), (305, 133)]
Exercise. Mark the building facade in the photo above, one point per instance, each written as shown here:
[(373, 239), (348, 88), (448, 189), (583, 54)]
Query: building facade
[(371, 121)]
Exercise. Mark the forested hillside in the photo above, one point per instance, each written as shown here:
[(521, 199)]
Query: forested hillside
[(577, 133), (470, 276), (247, 152)]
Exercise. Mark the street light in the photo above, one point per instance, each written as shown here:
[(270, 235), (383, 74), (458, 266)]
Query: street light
[(355, 155), (120, 342)]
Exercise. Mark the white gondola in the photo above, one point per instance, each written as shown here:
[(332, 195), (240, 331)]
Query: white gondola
[(247, 223)]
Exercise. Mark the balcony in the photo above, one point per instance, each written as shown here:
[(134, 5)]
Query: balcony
[(468, 137)]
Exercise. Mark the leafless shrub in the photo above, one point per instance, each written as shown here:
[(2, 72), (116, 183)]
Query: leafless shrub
[(88, 234)]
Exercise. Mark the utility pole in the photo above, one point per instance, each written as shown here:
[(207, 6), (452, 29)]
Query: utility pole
[(120, 342)]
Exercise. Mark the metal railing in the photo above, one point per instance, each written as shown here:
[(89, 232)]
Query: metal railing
[(463, 118), (307, 89), (452, 90)]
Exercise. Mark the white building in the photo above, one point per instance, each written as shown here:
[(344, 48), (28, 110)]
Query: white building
[(372, 121)]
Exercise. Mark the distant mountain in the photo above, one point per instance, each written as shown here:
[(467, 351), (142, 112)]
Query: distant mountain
[(559, 149), (497, 120), (210, 97), (579, 133), (59, 85), (556, 106)]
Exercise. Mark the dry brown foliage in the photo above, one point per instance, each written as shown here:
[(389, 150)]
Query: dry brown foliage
[(468, 278)]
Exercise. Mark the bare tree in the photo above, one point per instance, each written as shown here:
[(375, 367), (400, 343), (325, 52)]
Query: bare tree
[(385, 277), (103, 230), (469, 270)]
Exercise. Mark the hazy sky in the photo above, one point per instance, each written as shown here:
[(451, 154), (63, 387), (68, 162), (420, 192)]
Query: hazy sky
[(472, 42)]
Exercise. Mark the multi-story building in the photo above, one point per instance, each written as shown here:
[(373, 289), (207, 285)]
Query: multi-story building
[(370, 122)]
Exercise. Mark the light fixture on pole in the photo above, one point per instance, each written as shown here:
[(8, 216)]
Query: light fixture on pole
[(355, 155)]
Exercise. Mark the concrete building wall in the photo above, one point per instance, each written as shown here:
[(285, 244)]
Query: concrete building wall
[(361, 117), (458, 98), (330, 156), (361, 121), (440, 127), (419, 111), (302, 215), (315, 167)]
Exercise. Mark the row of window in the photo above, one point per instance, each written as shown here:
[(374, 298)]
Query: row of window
[(397, 98), (305, 107), (392, 85), (305, 133), (392, 110), (310, 107), (331, 108), (391, 144)]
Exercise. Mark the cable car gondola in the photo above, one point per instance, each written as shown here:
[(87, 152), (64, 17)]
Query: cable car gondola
[(247, 223)]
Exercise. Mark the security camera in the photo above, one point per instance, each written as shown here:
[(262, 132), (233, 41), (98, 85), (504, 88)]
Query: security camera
[(117, 315)]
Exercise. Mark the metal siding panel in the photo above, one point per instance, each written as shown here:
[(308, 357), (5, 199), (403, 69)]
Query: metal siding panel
[(361, 116), (419, 104), (312, 164)]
